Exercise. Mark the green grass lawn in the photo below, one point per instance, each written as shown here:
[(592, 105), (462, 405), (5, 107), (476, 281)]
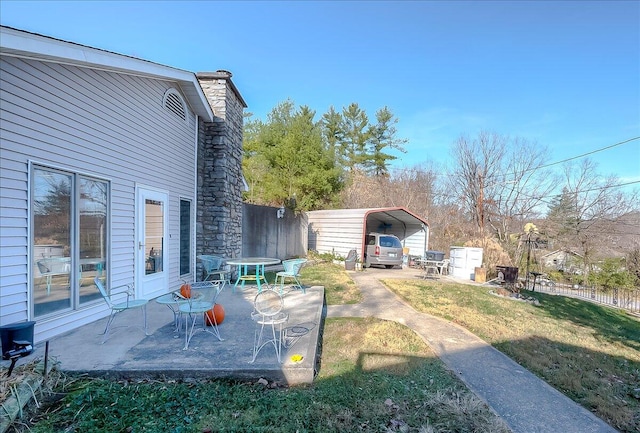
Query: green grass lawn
[(376, 376), (589, 352), (339, 288)]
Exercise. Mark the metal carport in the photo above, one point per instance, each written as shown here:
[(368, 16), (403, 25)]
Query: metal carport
[(338, 231)]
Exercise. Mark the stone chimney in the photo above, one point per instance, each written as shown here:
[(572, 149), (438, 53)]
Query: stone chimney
[(220, 181)]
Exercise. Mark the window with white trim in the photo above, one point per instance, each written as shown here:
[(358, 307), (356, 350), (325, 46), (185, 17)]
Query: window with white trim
[(69, 214)]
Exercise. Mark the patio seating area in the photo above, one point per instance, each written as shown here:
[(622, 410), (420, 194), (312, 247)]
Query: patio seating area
[(129, 353)]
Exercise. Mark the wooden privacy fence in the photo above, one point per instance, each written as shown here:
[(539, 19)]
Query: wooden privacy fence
[(270, 232)]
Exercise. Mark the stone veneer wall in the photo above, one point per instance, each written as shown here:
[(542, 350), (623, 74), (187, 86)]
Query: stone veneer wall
[(220, 185)]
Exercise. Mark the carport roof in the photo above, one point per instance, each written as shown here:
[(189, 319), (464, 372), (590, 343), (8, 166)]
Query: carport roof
[(392, 215), (388, 215)]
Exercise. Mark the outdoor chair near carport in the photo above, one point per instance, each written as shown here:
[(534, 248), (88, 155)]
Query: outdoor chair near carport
[(291, 270), (203, 298), (211, 266), (444, 269), (118, 307)]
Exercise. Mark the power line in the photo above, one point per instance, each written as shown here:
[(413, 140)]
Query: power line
[(435, 174), (586, 154), (551, 196), (540, 166), (435, 193), (617, 185)]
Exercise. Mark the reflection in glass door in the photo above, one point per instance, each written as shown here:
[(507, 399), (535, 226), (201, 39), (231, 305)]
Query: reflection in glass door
[(92, 222), (152, 235), (52, 225), (69, 221)]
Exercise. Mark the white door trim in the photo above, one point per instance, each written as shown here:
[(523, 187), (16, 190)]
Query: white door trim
[(151, 271)]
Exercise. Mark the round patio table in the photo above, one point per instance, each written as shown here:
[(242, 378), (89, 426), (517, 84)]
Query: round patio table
[(173, 301), (245, 274)]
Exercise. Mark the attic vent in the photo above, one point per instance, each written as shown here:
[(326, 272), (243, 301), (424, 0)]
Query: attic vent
[(173, 102)]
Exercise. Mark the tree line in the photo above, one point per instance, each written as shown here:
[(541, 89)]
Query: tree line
[(294, 160), (493, 185)]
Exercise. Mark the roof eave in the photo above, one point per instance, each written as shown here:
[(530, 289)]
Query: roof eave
[(18, 43)]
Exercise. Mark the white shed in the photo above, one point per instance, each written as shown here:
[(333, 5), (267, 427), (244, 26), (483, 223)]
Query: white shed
[(338, 231), (464, 261)]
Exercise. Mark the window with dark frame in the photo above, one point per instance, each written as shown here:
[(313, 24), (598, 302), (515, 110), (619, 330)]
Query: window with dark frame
[(185, 237)]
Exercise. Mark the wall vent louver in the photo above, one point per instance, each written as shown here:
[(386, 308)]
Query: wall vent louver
[(173, 102)]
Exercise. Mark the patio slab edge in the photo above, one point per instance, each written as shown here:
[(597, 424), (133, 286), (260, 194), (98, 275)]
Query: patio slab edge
[(266, 367)]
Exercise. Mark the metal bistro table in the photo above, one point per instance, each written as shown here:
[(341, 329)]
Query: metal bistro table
[(244, 273), (173, 301)]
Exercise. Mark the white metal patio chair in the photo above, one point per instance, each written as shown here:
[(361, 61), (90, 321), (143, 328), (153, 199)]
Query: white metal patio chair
[(268, 306), (120, 306), (444, 269), (212, 268), (203, 298), (291, 270)]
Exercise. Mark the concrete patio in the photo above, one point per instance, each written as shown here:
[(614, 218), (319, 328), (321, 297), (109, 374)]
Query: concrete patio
[(128, 353)]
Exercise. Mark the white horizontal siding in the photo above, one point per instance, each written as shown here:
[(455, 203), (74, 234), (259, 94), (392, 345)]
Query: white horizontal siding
[(341, 230), (98, 123), (336, 231), (417, 243), (83, 130), (13, 237)]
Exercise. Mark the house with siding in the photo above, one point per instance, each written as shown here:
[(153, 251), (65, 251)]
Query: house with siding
[(111, 167), (563, 260)]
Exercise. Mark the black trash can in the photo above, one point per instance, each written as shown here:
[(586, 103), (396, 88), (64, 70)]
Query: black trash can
[(350, 261), (22, 331), (434, 255)]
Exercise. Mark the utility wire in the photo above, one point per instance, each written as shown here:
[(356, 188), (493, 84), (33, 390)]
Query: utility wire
[(435, 194), (604, 187), (585, 154), (544, 165)]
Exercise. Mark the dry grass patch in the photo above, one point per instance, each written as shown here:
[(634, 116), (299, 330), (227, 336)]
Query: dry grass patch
[(365, 344), (587, 351), (397, 375), (22, 393)]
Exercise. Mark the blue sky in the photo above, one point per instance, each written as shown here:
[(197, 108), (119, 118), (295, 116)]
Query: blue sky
[(562, 74)]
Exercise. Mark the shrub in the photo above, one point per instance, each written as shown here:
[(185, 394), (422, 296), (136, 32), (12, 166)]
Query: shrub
[(612, 275)]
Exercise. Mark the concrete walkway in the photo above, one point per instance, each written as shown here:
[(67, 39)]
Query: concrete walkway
[(525, 402)]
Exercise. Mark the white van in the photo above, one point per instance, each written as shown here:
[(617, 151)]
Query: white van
[(383, 249)]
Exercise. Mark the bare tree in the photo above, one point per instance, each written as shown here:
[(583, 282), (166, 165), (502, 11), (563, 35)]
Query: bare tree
[(497, 181), (420, 189), (516, 199), (584, 214), (413, 188), (477, 164)]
